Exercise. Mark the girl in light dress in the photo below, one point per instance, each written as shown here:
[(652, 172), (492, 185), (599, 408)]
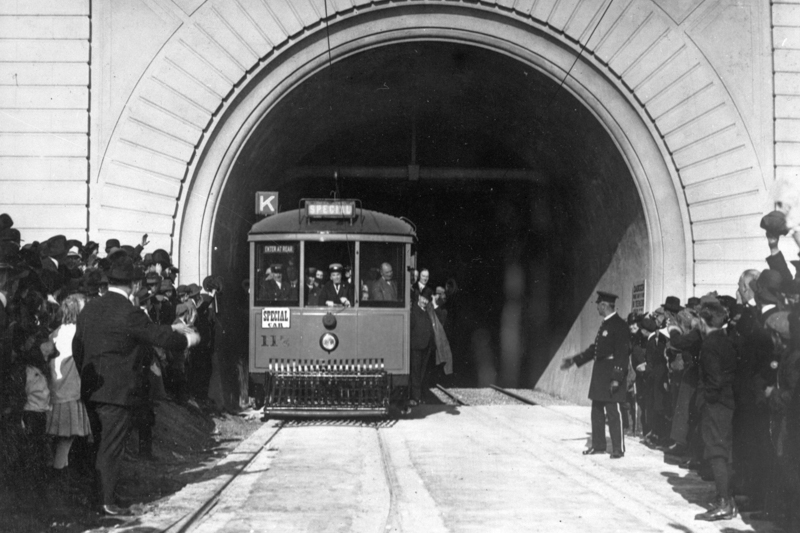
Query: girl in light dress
[(68, 418)]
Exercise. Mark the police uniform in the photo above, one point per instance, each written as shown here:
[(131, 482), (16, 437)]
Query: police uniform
[(610, 353)]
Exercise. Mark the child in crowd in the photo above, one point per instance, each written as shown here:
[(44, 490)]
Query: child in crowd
[(68, 417)]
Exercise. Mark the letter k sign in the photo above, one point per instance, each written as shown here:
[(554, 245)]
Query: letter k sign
[(266, 203)]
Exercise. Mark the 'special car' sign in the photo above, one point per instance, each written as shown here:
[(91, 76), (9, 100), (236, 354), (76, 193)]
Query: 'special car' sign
[(275, 318)]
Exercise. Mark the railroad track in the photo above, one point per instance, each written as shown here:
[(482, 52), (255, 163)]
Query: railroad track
[(459, 398), (190, 520)]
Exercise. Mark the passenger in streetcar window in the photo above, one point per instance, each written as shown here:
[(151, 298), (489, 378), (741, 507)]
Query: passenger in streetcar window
[(312, 288), (276, 289), (320, 278), (336, 292), (348, 275), (385, 288), (294, 282)]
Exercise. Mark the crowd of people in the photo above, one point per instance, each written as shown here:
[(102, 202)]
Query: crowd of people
[(713, 383), (81, 365)]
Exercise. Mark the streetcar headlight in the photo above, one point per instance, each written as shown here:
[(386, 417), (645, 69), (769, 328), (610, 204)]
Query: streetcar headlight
[(329, 342)]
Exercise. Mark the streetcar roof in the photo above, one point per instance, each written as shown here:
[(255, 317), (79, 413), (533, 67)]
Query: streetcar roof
[(365, 222)]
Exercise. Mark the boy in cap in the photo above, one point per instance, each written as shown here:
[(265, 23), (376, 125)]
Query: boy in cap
[(312, 288), (610, 354), (717, 369)]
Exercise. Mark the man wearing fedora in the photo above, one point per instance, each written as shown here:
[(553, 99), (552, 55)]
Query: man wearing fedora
[(610, 355), (110, 332)]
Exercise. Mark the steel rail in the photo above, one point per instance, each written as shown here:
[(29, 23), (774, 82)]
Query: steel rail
[(514, 395), (212, 501), (452, 396)]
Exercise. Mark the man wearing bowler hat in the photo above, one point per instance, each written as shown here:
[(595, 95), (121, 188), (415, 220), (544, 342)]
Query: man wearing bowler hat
[(610, 352), (110, 331)]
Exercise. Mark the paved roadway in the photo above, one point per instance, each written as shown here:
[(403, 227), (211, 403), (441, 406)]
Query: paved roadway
[(490, 468)]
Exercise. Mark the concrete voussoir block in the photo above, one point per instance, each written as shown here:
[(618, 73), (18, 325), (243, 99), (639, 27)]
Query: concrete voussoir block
[(163, 120), (147, 136), (736, 183), (653, 30), (720, 141), (716, 273), (137, 200), (130, 177), (751, 249), (721, 164), (158, 93), (661, 57), (735, 227), (227, 37), (247, 28), (141, 157), (744, 204), (114, 220), (202, 44), (628, 23), (269, 27)]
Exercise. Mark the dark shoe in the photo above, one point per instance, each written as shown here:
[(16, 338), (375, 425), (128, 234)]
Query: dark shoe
[(691, 464), (592, 451), (725, 510), (617, 455), (675, 449), (116, 510)]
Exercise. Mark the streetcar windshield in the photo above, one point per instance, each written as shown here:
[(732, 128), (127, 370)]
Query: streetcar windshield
[(335, 275), (276, 273), (382, 267)]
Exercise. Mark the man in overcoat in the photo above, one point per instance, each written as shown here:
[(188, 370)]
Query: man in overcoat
[(610, 354), (110, 331)]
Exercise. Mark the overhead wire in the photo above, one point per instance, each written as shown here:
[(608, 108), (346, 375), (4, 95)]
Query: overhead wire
[(580, 53)]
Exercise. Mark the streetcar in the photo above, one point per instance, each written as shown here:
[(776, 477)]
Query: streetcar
[(319, 353)]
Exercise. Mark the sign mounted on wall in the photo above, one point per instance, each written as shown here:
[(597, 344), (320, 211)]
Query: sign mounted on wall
[(637, 299), (266, 203)]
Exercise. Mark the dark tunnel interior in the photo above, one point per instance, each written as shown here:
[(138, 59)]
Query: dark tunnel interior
[(526, 252)]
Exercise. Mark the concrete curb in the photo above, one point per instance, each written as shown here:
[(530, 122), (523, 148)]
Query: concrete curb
[(176, 509)]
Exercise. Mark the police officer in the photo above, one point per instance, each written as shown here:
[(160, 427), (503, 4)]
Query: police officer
[(610, 352)]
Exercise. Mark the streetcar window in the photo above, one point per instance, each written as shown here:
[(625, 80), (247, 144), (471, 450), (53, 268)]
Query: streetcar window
[(277, 278), (383, 277), (320, 256)]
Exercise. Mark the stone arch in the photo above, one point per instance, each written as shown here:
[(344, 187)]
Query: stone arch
[(664, 105)]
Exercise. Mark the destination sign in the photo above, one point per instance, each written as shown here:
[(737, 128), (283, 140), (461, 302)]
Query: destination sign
[(279, 249), (276, 318), (331, 208)]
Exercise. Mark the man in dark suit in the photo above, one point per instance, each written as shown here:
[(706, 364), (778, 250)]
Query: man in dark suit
[(610, 353), (422, 342), (312, 289), (336, 292), (385, 288), (110, 330), (276, 289)]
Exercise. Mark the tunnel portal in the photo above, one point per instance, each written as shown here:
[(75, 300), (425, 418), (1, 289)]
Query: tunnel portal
[(517, 191)]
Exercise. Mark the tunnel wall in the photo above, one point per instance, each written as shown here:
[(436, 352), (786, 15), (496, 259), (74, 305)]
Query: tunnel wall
[(165, 73)]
